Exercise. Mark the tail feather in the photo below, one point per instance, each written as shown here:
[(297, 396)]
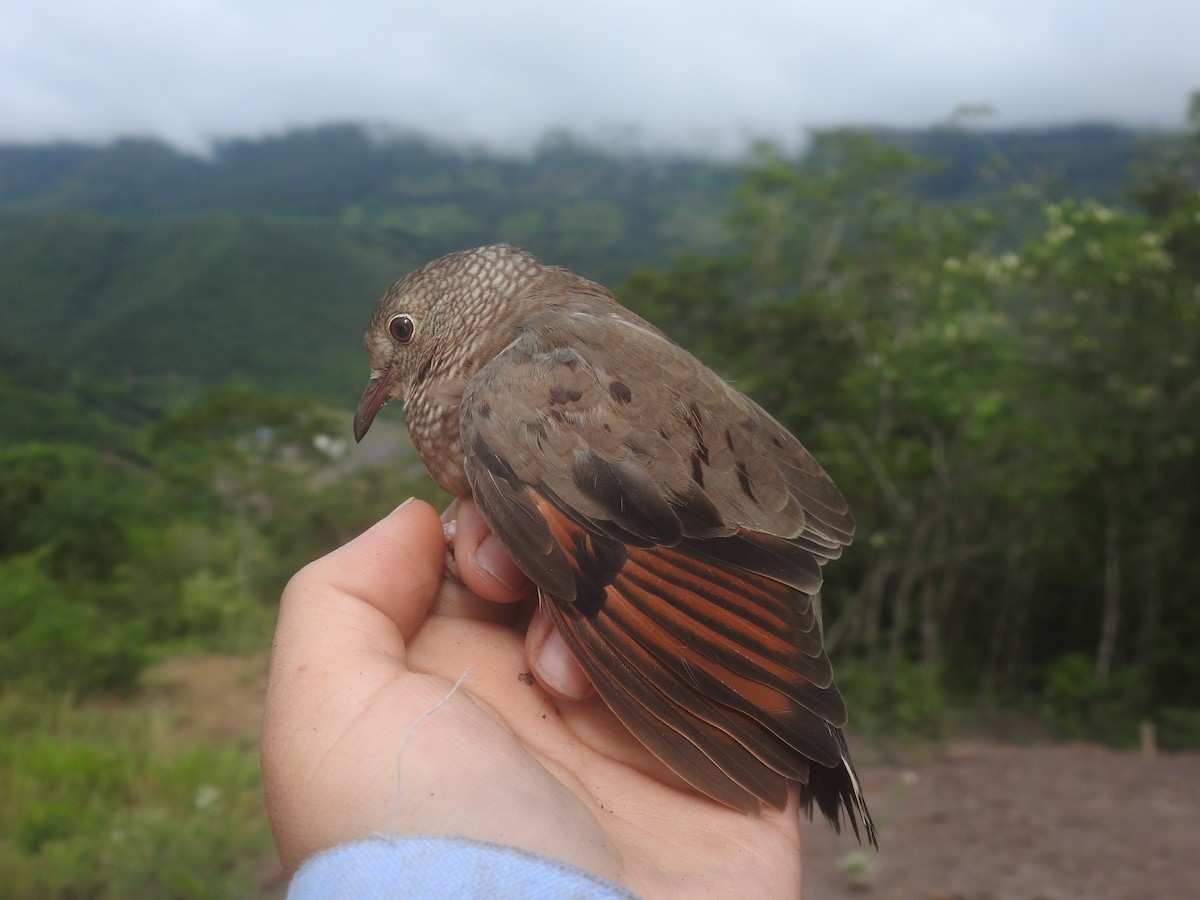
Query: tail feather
[(836, 790)]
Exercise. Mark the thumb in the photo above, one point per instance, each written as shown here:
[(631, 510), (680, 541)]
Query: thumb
[(340, 605)]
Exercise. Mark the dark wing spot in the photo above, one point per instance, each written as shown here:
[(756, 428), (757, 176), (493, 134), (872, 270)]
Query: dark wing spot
[(556, 415), (744, 481), (485, 411), (697, 470), (598, 561), (561, 396), (620, 391), (628, 497), (696, 424), (698, 514), (728, 439)]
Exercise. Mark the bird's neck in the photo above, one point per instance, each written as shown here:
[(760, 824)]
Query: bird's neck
[(433, 426)]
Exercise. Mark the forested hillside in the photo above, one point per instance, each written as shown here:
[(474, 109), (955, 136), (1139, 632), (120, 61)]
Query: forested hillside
[(257, 265), (990, 340), (260, 265)]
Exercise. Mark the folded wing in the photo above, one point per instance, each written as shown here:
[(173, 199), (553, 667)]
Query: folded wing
[(676, 533)]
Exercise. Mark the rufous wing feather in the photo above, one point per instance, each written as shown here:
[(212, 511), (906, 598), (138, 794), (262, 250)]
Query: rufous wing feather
[(717, 669)]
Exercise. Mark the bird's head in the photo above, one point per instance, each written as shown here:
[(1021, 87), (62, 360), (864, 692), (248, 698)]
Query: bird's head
[(444, 321)]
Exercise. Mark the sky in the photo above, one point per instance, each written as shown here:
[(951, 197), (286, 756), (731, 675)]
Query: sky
[(699, 75)]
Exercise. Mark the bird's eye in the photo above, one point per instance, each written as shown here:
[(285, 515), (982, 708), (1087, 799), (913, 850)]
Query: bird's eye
[(401, 327)]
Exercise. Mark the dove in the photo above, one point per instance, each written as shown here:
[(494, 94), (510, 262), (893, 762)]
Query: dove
[(675, 531)]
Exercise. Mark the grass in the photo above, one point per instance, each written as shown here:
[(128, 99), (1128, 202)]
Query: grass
[(101, 802)]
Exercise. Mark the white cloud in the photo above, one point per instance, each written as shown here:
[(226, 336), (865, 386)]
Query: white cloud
[(672, 71)]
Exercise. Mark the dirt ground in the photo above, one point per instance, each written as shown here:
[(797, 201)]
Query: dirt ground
[(982, 820), (971, 820)]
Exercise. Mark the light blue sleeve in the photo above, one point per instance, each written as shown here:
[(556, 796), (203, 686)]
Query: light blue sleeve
[(442, 867)]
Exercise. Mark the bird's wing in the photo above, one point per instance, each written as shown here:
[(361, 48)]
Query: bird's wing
[(605, 384), (677, 532)]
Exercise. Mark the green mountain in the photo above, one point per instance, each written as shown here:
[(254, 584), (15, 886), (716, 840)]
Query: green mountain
[(211, 297), (603, 211), (133, 263)]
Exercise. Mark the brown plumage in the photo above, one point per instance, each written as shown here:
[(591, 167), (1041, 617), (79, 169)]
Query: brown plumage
[(675, 531)]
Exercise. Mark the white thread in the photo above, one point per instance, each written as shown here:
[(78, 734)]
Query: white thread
[(408, 736)]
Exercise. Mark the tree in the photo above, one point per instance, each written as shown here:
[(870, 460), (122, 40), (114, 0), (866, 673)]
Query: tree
[(1014, 426)]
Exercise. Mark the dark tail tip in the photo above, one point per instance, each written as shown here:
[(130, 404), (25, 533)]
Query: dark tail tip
[(837, 791)]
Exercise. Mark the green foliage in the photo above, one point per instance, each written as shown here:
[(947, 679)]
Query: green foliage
[(1178, 728), (110, 562), (1013, 422), (908, 702), (693, 302), (99, 803), (107, 562), (65, 517), (56, 635), (1005, 392), (213, 298), (259, 265), (1079, 703)]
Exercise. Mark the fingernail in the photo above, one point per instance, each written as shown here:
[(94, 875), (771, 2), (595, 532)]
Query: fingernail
[(493, 560), (559, 670)]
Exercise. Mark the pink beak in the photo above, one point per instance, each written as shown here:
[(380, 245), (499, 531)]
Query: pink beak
[(377, 393)]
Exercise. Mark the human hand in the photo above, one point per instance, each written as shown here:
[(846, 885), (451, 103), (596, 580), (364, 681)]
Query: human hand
[(398, 704)]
